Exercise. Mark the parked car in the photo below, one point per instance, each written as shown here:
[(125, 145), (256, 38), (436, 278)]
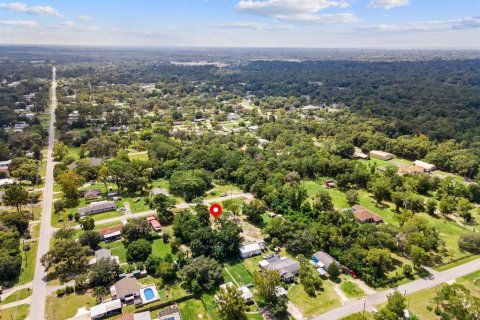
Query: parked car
[(373, 311), (136, 200), (223, 194)]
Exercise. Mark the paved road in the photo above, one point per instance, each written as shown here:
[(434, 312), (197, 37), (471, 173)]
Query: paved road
[(408, 288), (37, 307)]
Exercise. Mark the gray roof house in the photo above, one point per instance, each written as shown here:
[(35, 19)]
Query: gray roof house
[(97, 207), (106, 309), (126, 289), (286, 267), (103, 254), (323, 259)]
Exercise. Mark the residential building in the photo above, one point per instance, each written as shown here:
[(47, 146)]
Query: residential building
[(233, 116), (157, 191), (4, 165), (97, 207), (247, 294), (286, 267), (424, 165), (251, 249), (323, 259), (170, 313), (154, 223), (365, 216), (126, 289), (106, 309), (73, 117), (382, 155), (103, 254)]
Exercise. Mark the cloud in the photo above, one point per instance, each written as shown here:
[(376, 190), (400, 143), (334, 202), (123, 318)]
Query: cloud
[(388, 4), (36, 10), (297, 11), (19, 23), (84, 17), (425, 26), (68, 24), (248, 25)]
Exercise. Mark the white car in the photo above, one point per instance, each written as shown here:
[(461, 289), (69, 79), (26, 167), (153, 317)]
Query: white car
[(373, 311)]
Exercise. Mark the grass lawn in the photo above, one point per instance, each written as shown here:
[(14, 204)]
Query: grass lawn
[(239, 273), (65, 307), (310, 306), (35, 230), (210, 306), (471, 282), (17, 296), (61, 219), (161, 183), (143, 156), (251, 264), (420, 303), (354, 316), (352, 290), (135, 207), (219, 189), (74, 152), (254, 316), (105, 225), (161, 249), (28, 263), (192, 309), (118, 249), (457, 263), (338, 197), (15, 313)]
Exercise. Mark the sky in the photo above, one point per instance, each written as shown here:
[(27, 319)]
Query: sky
[(396, 24)]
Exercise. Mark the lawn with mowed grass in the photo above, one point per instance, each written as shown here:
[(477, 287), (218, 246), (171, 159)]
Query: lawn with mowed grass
[(310, 306), (118, 249), (219, 189), (65, 307), (17, 296), (352, 290), (74, 152), (313, 188), (142, 156), (161, 249), (254, 316), (471, 282), (251, 264), (192, 309), (238, 272), (28, 263), (16, 313), (210, 306)]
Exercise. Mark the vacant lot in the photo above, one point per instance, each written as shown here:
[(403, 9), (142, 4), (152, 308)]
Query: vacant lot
[(310, 306)]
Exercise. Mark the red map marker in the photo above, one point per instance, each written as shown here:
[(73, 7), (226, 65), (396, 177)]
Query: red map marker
[(215, 210)]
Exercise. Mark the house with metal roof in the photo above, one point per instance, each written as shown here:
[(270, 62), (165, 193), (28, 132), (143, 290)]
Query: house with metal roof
[(106, 309), (286, 267), (97, 207)]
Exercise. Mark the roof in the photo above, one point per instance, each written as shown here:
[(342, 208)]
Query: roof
[(321, 271), (156, 191), (126, 287), (280, 291), (142, 316), (155, 224), (246, 293), (105, 307), (99, 205), (381, 153), (250, 247), (424, 165), (169, 313), (5, 163), (109, 230), (324, 258), (365, 215), (285, 266), (103, 254)]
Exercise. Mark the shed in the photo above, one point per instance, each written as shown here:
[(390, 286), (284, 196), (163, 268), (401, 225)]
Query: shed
[(250, 249), (382, 155), (424, 165)]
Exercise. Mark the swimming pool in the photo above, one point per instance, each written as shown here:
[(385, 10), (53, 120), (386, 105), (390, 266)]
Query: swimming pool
[(149, 294)]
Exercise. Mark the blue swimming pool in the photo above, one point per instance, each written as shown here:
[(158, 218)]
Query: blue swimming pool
[(149, 294)]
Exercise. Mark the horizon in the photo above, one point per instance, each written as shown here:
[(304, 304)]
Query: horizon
[(329, 24)]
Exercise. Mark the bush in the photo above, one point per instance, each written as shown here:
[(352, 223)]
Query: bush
[(470, 242), (60, 292), (59, 206), (69, 289), (139, 250), (77, 216)]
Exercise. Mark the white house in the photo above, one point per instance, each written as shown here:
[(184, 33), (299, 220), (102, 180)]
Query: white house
[(97, 207), (424, 165), (251, 249)]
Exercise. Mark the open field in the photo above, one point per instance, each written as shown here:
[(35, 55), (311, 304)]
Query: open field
[(310, 306), (239, 273), (15, 313), (28, 263), (352, 290), (59, 308), (192, 309)]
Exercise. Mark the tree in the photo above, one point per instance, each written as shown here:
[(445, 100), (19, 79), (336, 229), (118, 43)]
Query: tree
[(407, 270), (163, 204), (463, 208), (70, 181), (136, 229), (104, 272), (352, 197), (189, 184), (254, 211), (201, 274), (470, 242), (380, 189), (139, 250), (456, 302), (15, 196), (231, 305), (90, 239), (100, 293), (431, 206), (15, 221), (447, 204), (87, 224), (396, 303), (60, 150), (323, 202), (419, 256), (67, 258), (333, 271), (265, 283), (10, 265)]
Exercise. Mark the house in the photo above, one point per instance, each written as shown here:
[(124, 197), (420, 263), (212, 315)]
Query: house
[(251, 249), (154, 223), (106, 309), (286, 267), (91, 194), (126, 289), (73, 117), (247, 294), (280, 292), (169, 313), (365, 216), (329, 184), (4, 165), (142, 316), (358, 154), (5, 182), (112, 233), (103, 254), (263, 142), (95, 162), (323, 260), (20, 126), (424, 165), (97, 207), (382, 155)]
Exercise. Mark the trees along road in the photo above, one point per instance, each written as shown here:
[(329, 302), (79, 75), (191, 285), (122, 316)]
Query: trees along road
[(39, 285)]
